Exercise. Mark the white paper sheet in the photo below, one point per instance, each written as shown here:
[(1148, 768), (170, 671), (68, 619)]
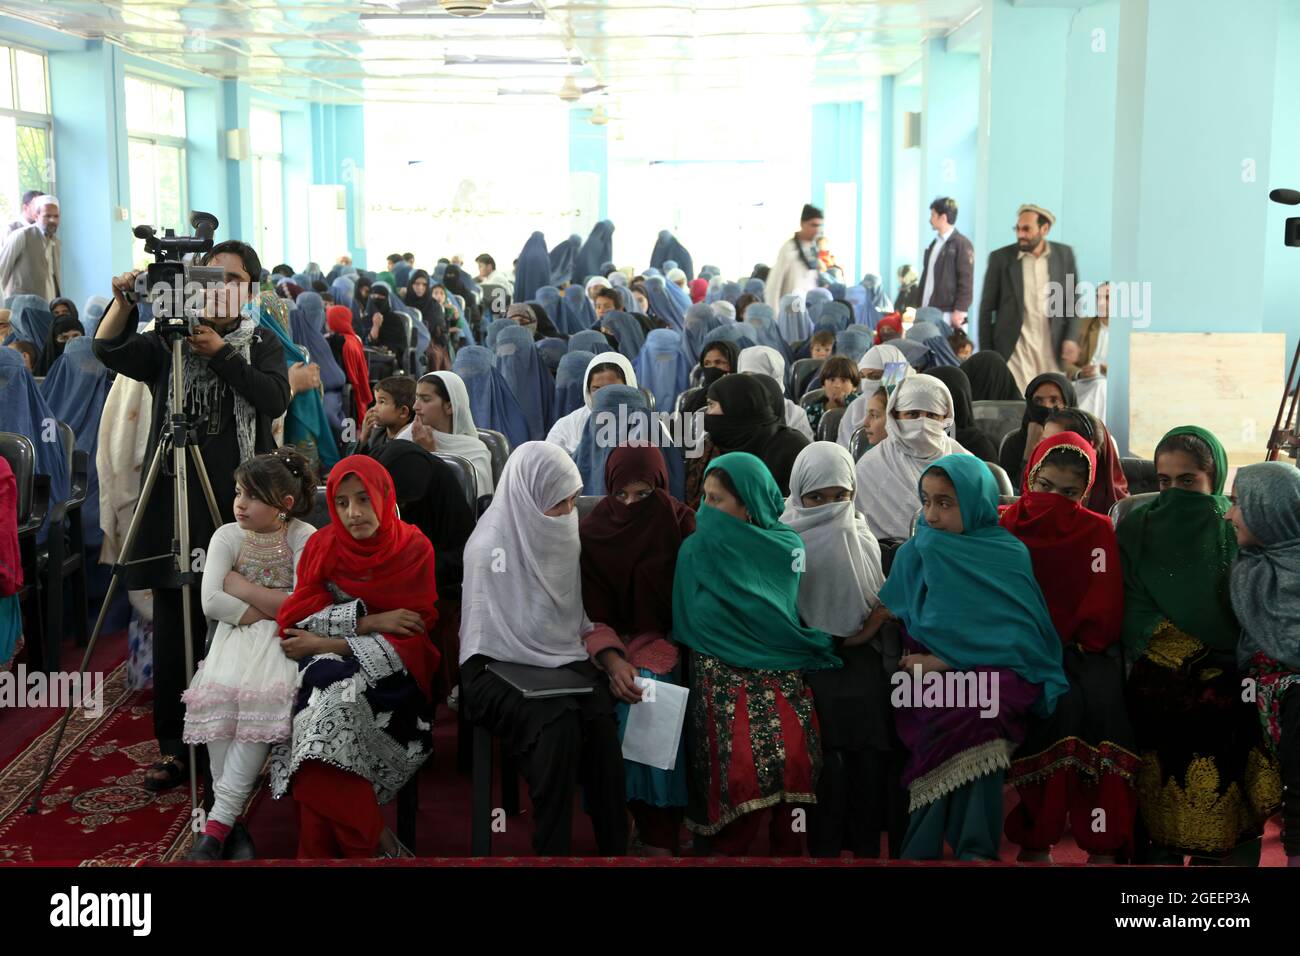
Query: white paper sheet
[(654, 726)]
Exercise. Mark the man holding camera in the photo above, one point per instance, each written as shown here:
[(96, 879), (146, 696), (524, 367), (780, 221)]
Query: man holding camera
[(236, 386)]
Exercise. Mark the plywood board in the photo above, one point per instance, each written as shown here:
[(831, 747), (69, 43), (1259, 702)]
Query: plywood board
[(1227, 382)]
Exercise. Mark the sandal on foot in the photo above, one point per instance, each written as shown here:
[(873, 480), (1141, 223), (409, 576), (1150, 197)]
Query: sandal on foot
[(175, 770)]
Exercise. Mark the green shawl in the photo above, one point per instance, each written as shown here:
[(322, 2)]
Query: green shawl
[(1177, 553), (736, 587)]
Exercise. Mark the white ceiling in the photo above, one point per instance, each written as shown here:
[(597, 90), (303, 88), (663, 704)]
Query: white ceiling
[(323, 50)]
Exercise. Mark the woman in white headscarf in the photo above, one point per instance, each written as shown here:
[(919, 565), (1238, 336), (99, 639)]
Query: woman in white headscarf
[(595, 284), (842, 572), (918, 430), (442, 407), (872, 366), (765, 360), (568, 431), (858, 792), (521, 603)]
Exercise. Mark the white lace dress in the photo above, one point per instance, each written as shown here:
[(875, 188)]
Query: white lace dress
[(244, 687)]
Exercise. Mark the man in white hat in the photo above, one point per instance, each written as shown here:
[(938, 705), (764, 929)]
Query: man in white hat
[(1029, 310), (29, 260)]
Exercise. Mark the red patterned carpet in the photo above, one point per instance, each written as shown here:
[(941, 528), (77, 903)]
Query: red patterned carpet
[(95, 810)]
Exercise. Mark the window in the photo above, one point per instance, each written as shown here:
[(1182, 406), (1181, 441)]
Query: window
[(25, 129), (267, 147), (155, 124)]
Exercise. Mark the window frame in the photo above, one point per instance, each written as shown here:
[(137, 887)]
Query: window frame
[(257, 158), (153, 139), (22, 117)]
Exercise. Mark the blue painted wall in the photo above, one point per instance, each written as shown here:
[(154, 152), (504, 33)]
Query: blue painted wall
[(949, 138), (90, 167), (837, 158), (589, 153), (1282, 263), (1191, 215)]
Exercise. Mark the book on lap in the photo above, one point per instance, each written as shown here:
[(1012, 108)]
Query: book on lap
[(535, 683)]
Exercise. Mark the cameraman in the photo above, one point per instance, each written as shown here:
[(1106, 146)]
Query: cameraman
[(236, 385)]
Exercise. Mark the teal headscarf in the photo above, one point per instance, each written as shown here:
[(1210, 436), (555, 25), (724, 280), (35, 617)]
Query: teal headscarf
[(736, 586), (1266, 578), (306, 425), (1177, 553), (972, 598)]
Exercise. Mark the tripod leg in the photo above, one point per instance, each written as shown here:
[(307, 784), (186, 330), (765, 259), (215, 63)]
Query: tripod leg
[(128, 544), (201, 470)]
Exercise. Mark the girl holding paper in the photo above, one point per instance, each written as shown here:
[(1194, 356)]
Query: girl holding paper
[(629, 552)]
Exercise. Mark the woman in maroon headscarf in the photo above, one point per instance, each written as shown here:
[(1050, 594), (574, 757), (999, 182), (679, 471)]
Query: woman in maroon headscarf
[(629, 553)]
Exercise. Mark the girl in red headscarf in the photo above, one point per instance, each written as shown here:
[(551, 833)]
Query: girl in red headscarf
[(1081, 759), (360, 633), (630, 542), (355, 366), (698, 288)]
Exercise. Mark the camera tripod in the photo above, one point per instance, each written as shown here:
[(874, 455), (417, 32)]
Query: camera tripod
[(178, 435)]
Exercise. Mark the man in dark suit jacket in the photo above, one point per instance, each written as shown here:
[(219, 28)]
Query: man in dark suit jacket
[(948, 275), (1003, 305)]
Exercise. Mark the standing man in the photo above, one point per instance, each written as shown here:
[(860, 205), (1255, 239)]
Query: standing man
[(236, 386), (796, 267), (28, 214), (1029, 310), (29, 260), (948, 276)]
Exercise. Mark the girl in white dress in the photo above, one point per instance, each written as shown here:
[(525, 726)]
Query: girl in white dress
[(240, 699)]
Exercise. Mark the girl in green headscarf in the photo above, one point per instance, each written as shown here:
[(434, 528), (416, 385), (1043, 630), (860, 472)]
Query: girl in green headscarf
[(754, 739), (1206, 784)]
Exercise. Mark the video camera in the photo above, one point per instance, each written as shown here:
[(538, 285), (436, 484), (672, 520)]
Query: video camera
[(174, 287)]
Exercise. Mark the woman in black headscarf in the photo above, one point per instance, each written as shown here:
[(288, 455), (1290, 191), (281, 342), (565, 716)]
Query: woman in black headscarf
[(391, 333), (63, 329), (430, 497), (1046, 392), (360, 297), (990, 379), (454, 281), (968, 436), (712, 369), (419, 296), (742, 416)]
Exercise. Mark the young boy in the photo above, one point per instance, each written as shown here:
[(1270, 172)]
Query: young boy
[(391, 416), (840, 383), (823, 344), (962, 346), (28, 352)]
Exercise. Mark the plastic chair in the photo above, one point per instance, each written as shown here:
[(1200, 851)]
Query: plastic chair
[(64, 556), (1126, 506), (1005, 489), (1141, 475), (499, 447), (998, 418), (812, 398), (801, 373), (465, 476), (859, 444), (829, 426), (586, 503), (33, 504)]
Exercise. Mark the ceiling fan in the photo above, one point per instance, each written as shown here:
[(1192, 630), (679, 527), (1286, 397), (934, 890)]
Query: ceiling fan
[(458, 8), (569, 91)]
